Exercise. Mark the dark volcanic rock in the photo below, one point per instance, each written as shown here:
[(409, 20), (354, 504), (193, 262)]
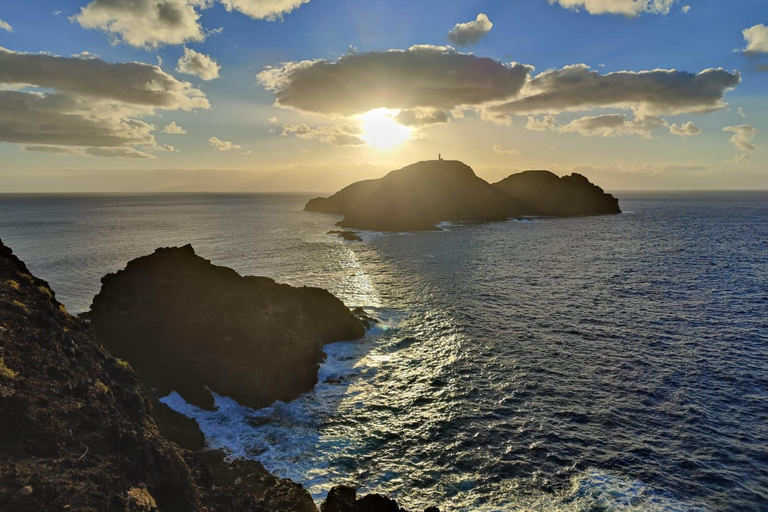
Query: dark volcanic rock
[(347, 235), (419, 196), (551, 195), (343, 498), (185, 324), (76, 433)]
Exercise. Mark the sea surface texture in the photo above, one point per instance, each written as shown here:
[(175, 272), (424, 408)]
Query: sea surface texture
[(602, 363)]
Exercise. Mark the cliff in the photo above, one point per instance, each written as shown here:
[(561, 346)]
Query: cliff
[(555, 196), (419, 196), (186, 324), (78, 434)]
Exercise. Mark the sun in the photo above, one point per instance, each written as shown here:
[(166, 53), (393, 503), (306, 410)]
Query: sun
[(381, 131)]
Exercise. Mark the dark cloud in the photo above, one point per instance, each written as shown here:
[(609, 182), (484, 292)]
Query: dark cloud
[(647, 92), (421, 117), (464, 34), (421, 77), (94, 103)]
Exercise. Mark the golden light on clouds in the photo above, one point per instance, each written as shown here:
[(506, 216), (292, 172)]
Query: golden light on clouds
[(381, 131)]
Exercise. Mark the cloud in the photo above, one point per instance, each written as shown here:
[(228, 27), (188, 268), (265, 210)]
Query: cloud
[(427, 77), (198, 64), (743, 135), (132, 82), (613, 125), (648, 93), (222, 145), (742, 159), (335, 135), (686, 129), (629, 8), (756, 38), (174, 129), (144, 23), (686, 9), (4, 25), (94, 103), (464, 34), (273, 119), (88, 151), (263, 9), (419, 117), (501, 151), (542, 125)]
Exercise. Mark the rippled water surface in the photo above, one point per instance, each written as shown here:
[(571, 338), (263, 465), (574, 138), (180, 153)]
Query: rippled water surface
[(592, 363)]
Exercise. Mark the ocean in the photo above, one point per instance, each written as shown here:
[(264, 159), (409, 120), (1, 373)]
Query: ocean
[(604, 363)]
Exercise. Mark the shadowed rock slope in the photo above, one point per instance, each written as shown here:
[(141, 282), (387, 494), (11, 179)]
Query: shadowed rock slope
[(186, 324), (76, 433), (419, 196), (555, 196)]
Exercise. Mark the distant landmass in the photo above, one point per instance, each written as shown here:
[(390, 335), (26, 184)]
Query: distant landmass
[(419, 196)]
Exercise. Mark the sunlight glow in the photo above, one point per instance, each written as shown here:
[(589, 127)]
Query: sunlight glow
[(381, 131)]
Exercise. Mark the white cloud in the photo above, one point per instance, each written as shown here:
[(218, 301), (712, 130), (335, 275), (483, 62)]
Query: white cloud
[(428, 77), (222, 145), (648, 93), (174, 129), (686, 9), (93, 104), (541, 125), (464, 34), (756, 38), (263, 9), (743, 135), (686, 129), (144, 23), (198, 64), (613, 125), (742, 159), (273, 119), (630, 8), (4, 25), (335, 135), (498, 149)]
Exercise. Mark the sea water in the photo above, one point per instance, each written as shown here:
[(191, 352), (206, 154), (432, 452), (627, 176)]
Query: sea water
[(592, 363)]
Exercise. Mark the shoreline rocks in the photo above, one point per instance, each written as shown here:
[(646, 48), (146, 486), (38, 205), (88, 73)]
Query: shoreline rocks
[(78, 433), (187, 325)]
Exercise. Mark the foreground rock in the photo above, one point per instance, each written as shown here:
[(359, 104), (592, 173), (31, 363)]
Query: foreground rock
[(185, 324), (555, 196), (419, 196), (343, 498), (78, 434)]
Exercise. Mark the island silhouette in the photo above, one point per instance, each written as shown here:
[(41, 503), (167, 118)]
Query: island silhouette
[(419, 196)]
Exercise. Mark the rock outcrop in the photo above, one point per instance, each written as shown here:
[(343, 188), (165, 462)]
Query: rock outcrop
[(555, 196), (186, 325), (77, 433), (419, 196)]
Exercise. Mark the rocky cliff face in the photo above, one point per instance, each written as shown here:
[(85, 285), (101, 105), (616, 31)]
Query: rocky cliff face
[(419, 196), (78, 434), (185, 325), (555, 196)]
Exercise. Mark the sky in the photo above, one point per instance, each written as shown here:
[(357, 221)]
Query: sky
[(311, 95)]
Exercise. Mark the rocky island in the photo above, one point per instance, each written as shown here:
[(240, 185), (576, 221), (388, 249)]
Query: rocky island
[(79, 433), (419, 196)]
